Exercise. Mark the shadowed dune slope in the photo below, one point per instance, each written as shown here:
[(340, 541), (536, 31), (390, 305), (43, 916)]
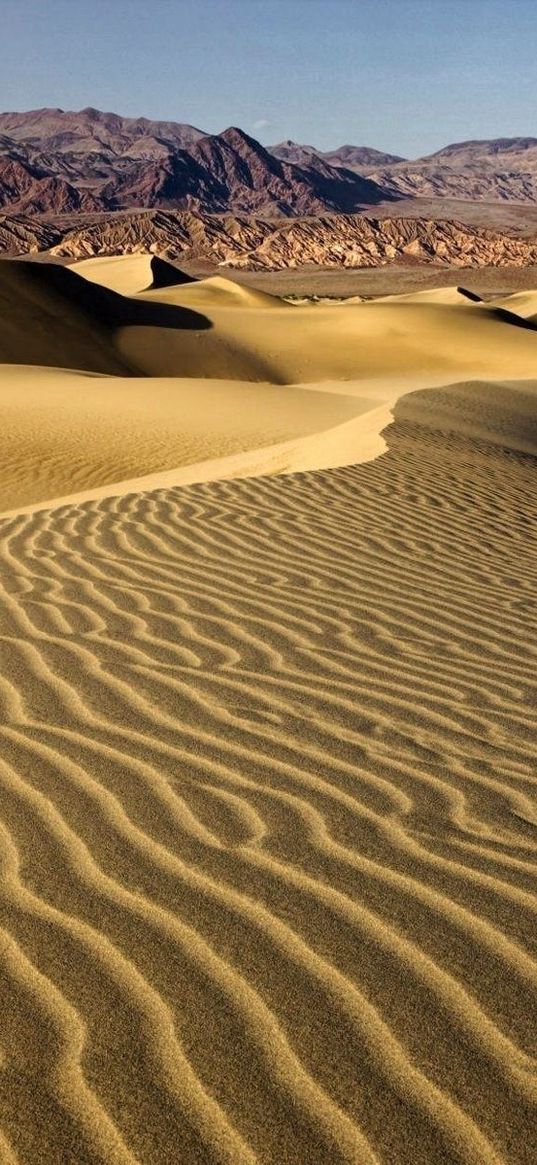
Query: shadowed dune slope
[(165, 274), (41, 324), (268, 822), (51, 316)]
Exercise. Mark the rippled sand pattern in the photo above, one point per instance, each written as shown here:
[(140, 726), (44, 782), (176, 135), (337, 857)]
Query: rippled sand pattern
[(268, 842)]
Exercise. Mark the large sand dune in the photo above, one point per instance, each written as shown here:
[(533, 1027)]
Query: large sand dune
[(287, 344), (240, 382), (66, 432), (268, 801)]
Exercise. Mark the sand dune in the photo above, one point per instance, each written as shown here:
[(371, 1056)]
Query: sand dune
[(523, 303), (51, 316), (128, 274), (268, 746), (438, 295), (269, 839), (40, 325), (66, 432), (241, 382), (292, 344)]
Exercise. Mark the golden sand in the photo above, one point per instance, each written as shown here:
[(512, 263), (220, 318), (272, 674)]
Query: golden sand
[(268, 796)]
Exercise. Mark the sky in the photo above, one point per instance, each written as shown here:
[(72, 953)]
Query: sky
[(406, 76)]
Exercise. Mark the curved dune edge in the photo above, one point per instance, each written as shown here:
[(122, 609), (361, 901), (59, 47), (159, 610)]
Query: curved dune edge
[(268, 859), (353, 441), (498, 413), (66, 433), (128, 274)]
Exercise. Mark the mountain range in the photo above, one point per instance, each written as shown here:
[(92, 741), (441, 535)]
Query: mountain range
[(58, 163)]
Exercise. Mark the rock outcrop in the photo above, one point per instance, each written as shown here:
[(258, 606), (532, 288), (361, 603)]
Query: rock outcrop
[(327, 241), (26, 236)]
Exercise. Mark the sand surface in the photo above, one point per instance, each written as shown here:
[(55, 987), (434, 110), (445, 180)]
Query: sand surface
[(66, 431), (126, 274), (268, 815)]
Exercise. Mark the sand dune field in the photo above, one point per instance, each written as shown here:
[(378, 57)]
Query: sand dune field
[(268, 811)]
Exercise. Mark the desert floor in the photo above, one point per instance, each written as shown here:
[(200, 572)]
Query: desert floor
[(268, 816)]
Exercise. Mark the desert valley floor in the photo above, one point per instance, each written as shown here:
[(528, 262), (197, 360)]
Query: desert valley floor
[(268, 773)]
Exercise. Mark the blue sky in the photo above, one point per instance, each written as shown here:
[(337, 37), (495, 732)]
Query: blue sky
[(407, 76)]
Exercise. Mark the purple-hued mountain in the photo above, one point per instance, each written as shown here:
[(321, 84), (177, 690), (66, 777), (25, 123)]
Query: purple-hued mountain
[(100, 161), (56, 163)]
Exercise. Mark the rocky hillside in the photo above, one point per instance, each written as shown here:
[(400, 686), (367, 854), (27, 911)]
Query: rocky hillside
[(173, 234), (327, 241), (26, 236), (358, 158), (503, 169), (356, 241)]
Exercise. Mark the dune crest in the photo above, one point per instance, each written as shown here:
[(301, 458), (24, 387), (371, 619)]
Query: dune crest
[(128, 274)]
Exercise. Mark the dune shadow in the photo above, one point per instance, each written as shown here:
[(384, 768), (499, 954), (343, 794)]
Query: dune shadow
[(108, 307), (166, 275), (510, 317), (471, 295)]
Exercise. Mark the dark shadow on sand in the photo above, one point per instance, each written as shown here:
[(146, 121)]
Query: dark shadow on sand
[(109, 308), (166, 275)]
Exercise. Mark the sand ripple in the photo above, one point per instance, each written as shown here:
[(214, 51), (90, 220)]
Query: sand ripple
[(268, 826)]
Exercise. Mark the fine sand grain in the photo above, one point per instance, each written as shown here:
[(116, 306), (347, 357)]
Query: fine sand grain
[(268, 813)]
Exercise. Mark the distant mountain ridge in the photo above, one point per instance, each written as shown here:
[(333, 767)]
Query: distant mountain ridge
[(359, 158), (54, 162), (103, 161)]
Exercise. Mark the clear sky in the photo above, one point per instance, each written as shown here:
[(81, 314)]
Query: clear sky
[(407, 76)]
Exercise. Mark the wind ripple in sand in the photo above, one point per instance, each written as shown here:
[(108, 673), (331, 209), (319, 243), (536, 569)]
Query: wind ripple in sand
[(268, 819)]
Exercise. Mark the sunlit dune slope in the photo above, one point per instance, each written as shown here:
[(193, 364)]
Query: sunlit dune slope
[(128, 274), (66, 432), (288, 343), (268, 824), (439, 295)]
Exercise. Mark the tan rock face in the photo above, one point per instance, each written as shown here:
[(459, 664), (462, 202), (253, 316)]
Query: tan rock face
[(328, 241), (24, 236)]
